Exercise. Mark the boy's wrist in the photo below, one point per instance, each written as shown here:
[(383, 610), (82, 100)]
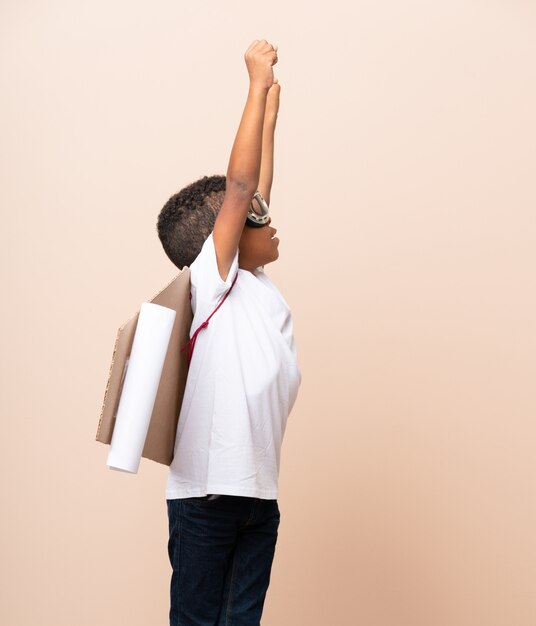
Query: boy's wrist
[(270, 119), (258, 88)]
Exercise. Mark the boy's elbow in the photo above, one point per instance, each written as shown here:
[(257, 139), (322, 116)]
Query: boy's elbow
[(240, 184)]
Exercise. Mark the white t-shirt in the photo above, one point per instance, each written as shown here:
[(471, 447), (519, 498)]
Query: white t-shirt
[(242, 384)]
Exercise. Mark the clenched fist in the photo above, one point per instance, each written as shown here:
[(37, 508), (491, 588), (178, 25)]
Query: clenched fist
[(260, 58)]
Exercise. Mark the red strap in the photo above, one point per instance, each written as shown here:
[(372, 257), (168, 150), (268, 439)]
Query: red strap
[(191, 344)]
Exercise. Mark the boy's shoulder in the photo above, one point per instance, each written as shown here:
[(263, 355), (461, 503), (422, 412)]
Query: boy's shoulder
[(205, 277)]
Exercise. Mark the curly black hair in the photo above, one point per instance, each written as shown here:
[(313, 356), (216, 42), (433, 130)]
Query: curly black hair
[(188, 217)]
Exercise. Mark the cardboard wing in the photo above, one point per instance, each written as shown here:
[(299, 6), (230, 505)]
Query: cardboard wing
[(160, 439)]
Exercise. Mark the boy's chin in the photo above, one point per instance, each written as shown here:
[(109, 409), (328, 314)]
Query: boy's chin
[(270, 259)]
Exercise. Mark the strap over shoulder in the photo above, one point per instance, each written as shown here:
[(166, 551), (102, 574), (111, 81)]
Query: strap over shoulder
[(191, 344)]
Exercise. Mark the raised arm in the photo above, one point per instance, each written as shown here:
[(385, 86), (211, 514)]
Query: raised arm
[(268, 135), (243, 172)]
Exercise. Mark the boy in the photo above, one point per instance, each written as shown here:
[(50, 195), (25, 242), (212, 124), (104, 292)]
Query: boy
[(243, 379)]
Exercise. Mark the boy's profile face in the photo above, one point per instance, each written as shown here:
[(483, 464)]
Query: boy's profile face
[(258, 246)]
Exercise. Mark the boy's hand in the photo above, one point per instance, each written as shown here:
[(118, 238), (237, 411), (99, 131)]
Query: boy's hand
[(260, 58), (272, 102)]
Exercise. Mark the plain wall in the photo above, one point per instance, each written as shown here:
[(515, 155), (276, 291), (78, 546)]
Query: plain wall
[(404, 197)]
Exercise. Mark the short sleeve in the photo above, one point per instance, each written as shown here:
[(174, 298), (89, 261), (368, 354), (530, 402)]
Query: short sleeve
[(206, 283)]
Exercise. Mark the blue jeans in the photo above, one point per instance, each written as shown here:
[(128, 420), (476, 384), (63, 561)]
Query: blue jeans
[(221, 551)]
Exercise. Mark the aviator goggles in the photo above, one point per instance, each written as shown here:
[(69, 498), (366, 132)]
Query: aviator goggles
[(258, 211)]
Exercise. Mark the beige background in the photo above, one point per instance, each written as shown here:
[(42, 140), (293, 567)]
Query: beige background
[(404, 196)]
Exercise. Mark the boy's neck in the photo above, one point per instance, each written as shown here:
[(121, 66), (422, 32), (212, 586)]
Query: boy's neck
[(246, 266)]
